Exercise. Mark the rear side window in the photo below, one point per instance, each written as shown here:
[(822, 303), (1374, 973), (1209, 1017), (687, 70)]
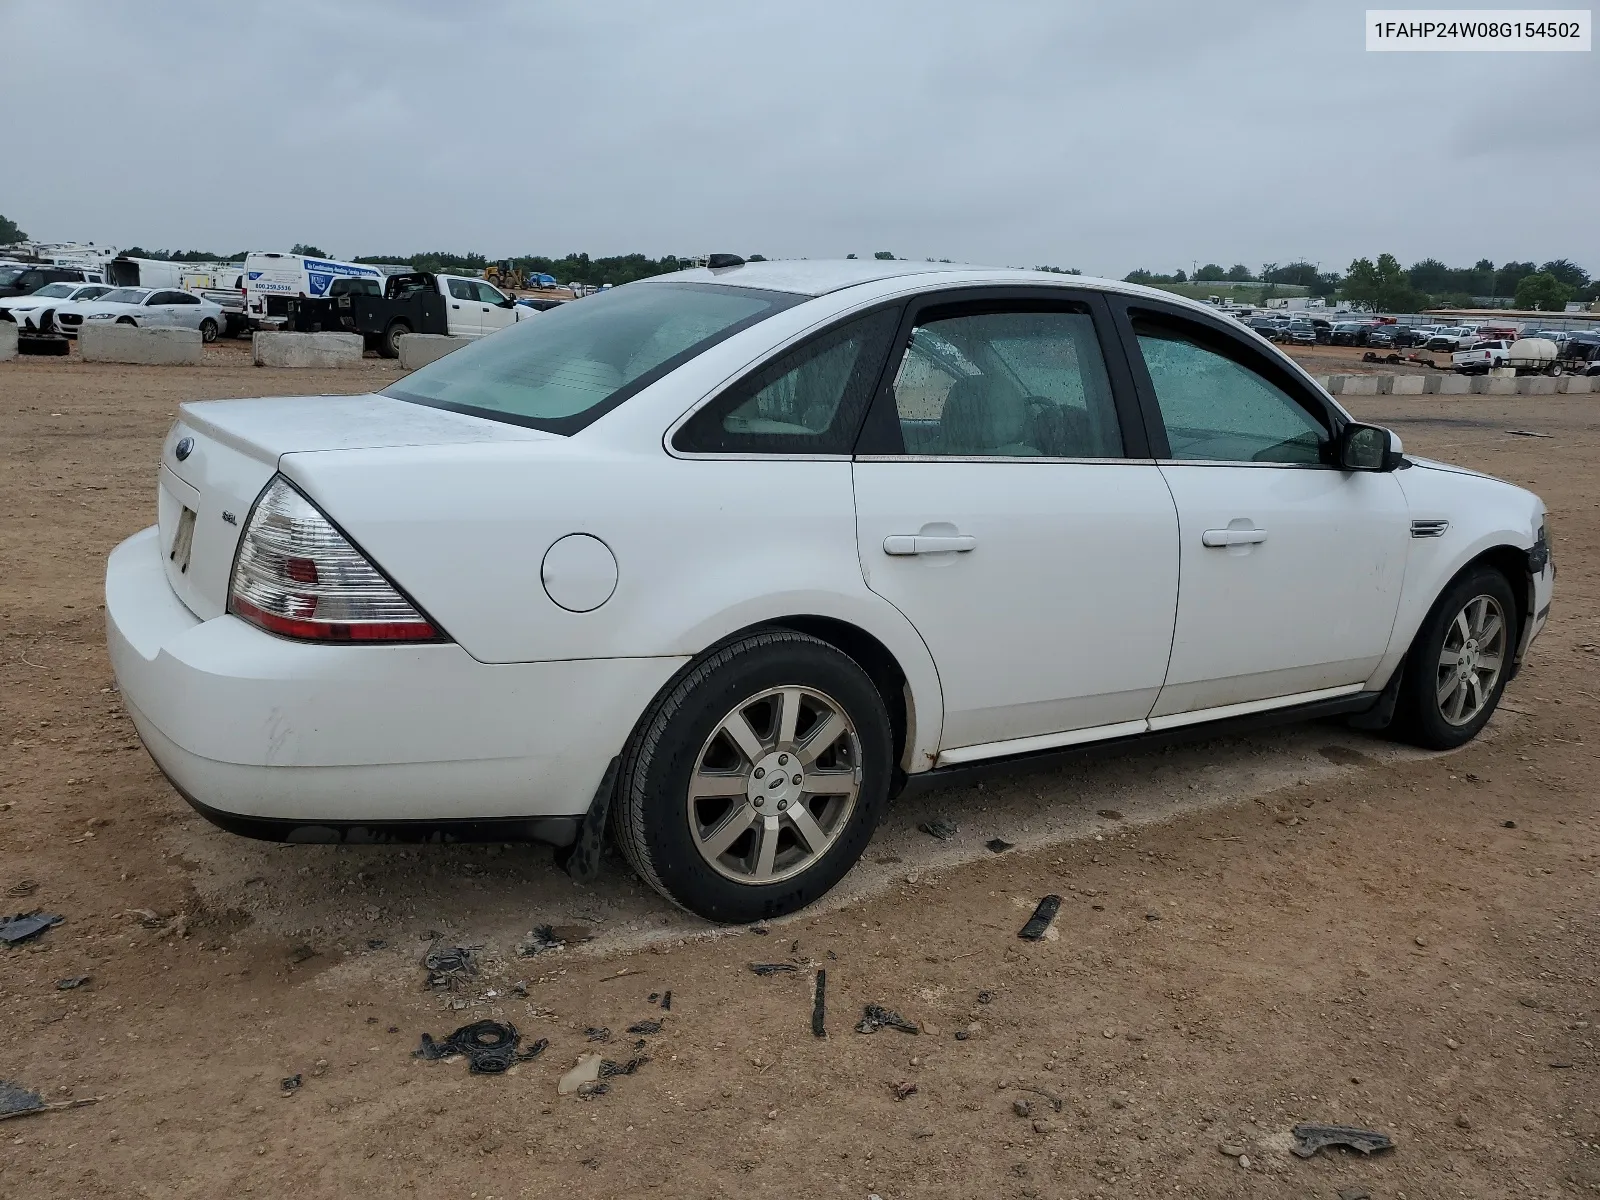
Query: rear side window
[(809, 401), (579, 361), (462, 289), (1024, 382)]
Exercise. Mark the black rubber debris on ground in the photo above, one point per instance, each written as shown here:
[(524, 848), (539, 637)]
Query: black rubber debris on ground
[(449, 966), (940, 828), (597, 1033), (490, 1047), (645, 1027), (609, 1068), (1040, 921), (1109, 814), (1308, 1139), (26, 925), (819, 1012), (765, 969), (71, 982), (666, 1001), (16, 1100), (985, 997), (999, 845), (290, 1083), (376, 943), (875, 1017), (652, 997)]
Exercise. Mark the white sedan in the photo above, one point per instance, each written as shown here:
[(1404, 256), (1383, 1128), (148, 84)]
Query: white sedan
[(151, 308), (24, 309), (725, 556)]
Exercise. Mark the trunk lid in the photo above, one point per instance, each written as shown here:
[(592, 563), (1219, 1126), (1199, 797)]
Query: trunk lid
[(220, 454)]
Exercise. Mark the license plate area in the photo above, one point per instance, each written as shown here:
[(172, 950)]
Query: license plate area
[(183, 541)]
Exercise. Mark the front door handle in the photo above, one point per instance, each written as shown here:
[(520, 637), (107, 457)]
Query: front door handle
[(925, 543), (1233, 537)]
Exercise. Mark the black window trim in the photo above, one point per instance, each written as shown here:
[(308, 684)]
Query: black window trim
[(1233, 344), (578, 422), (794, 346), (881, 439)]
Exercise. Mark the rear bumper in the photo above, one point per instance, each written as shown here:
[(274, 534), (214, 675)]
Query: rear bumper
[(314, 742)]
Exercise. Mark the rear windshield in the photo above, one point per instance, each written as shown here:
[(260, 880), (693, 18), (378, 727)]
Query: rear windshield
[(565, 368)]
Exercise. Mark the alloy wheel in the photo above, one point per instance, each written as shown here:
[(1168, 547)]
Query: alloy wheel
[(1471, 659), (774, 785)]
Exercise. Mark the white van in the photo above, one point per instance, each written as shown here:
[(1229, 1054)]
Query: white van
[(269, 277)]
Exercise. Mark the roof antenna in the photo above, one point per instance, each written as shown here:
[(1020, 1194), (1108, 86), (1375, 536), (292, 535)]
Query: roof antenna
[(718, 261)]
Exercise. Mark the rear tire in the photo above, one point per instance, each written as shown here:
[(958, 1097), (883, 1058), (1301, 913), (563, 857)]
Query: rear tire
[(1449, 691), (389, 347), (208, 331), (685, 783)]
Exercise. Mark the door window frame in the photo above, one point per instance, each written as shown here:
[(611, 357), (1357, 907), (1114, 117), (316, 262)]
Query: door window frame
[(1232, 344), (881, 439), (723, 399)]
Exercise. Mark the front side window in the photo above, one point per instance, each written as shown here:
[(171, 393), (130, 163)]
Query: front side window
[(582, 359), (462, 289), (1217, 409), (488, 294), (809, 401), (1025, 383)]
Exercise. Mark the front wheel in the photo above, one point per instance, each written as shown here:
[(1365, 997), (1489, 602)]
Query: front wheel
[(1459, 662), (755, 783), (208, 331)]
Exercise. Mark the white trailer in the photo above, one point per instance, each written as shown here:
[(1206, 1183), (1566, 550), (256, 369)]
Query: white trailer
[(271, 279)]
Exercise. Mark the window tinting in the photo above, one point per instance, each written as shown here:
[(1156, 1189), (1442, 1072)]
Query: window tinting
[(1218, 410), (462, 289), (1010, 384), (809, 401), (582, 359)]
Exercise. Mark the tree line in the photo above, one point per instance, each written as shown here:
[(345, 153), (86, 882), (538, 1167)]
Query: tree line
[(1384, 285)]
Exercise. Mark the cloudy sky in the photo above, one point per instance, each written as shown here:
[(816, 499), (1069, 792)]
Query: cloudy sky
[(1095, 135)]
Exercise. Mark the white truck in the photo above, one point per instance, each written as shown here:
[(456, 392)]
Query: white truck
[(272, 279), (417, 302)]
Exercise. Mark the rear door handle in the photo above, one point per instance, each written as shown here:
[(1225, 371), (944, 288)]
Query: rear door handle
[(923, 543), (1233, 537)]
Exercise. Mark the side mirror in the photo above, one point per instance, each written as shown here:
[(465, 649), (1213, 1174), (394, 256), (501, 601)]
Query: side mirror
[(1369, 448)]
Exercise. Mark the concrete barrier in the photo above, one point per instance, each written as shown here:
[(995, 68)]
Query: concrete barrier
[(307, 349), (112, 343), (1490, 385), (1359, 385), (1573, 385), (8, 340), (1455, 385), (1534, 385), (1406, 385), (420, 349)]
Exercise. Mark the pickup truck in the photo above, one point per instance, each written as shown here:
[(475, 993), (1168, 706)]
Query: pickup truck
[(413, 302), (1481, 357)]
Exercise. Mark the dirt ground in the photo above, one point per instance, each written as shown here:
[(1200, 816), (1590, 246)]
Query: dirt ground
[(1307, 925)]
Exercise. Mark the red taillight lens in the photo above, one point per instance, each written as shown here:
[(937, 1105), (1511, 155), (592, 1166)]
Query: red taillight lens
[(298, 576)]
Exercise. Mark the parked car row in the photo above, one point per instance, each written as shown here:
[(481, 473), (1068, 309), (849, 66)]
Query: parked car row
[(74, 307)]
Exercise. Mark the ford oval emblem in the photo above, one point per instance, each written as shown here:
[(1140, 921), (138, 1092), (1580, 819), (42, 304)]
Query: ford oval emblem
[(184, 448)]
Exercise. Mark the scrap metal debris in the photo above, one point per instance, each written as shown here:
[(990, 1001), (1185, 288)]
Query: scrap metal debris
[(1308, 1139), (597, 1033), (608, 1069), (999, 845), (940, 828), (902, 1090), (645, 1027), (289, 1084), (1110, 814), (554, 937), (26, 925), (818, 1005), (449, 966), (71, 982), (490, 1047), (23, 887), (1040, 921), (18, 1101), (1528, 433), (765, 969), (666, 1001), (875, 1017)]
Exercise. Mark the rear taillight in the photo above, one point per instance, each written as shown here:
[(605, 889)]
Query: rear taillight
[(298, 576)]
